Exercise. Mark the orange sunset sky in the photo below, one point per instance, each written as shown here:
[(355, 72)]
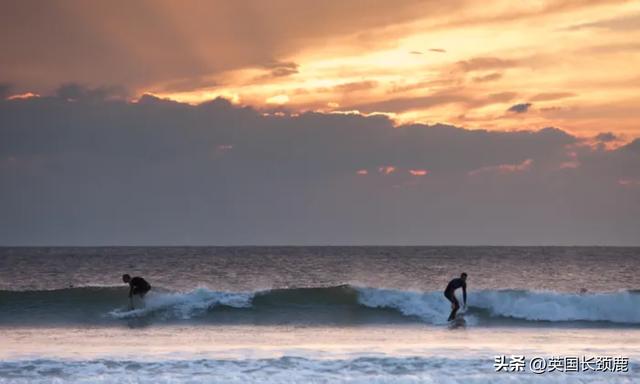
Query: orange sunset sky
[(501, 65)]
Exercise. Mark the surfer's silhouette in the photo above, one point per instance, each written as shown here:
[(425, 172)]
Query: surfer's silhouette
[(137, 286), (449, 293)]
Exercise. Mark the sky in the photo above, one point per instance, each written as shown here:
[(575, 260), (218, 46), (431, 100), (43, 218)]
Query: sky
[(335, 122)]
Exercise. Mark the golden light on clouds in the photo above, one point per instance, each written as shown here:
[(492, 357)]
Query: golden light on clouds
[(573, 67), (278, 99), (499, 65), (387, 169), (418, 172), (26, 95)]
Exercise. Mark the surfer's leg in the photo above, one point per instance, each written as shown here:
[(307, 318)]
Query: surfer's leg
[(455, 308), (140, 291), (454, 304), (142, 294)]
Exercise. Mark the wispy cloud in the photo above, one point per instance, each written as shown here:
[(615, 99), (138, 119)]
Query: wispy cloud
[(519, 108), (620, 23)]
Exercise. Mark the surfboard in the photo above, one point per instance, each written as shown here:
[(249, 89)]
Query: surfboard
[(458, 322)]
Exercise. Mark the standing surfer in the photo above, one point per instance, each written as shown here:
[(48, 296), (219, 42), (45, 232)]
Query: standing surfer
[(449, 293), (137, 286)]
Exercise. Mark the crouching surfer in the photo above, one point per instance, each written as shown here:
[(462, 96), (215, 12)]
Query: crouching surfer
[(449, 293), (137, 286)]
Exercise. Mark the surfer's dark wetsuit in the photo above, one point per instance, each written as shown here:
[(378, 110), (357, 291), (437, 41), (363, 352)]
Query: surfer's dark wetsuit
[(138, 286), (449, 293)]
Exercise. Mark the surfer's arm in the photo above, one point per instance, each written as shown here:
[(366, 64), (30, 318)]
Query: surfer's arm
[(464, 294), (130, 297)]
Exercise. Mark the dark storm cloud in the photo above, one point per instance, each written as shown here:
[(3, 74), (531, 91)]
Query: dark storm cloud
[(519, 108), (606, 137), (5, 89), (186, 84), (105, 171), (74, 91), (633, 146)]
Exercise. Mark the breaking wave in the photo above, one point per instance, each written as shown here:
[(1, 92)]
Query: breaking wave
[(329, 305)]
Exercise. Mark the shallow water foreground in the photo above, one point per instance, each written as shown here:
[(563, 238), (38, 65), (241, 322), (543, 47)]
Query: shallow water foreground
[(316, 354)]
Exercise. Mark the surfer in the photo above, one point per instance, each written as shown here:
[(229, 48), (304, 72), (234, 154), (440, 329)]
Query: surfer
[(137, 286), (449, 293)]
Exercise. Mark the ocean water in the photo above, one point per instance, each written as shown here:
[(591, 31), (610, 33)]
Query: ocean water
[(315, 314)]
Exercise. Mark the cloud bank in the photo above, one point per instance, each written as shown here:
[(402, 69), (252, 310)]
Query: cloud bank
[(85, 168)]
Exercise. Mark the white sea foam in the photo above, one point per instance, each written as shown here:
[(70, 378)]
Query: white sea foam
[(186, 305), (285, 370), (617, 307), (430, 307)]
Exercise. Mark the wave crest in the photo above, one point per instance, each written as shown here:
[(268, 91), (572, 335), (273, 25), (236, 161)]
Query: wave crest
[(340, 304), (186, 305)]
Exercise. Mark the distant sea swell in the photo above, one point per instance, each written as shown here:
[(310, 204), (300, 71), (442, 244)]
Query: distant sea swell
[(343, 304)]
